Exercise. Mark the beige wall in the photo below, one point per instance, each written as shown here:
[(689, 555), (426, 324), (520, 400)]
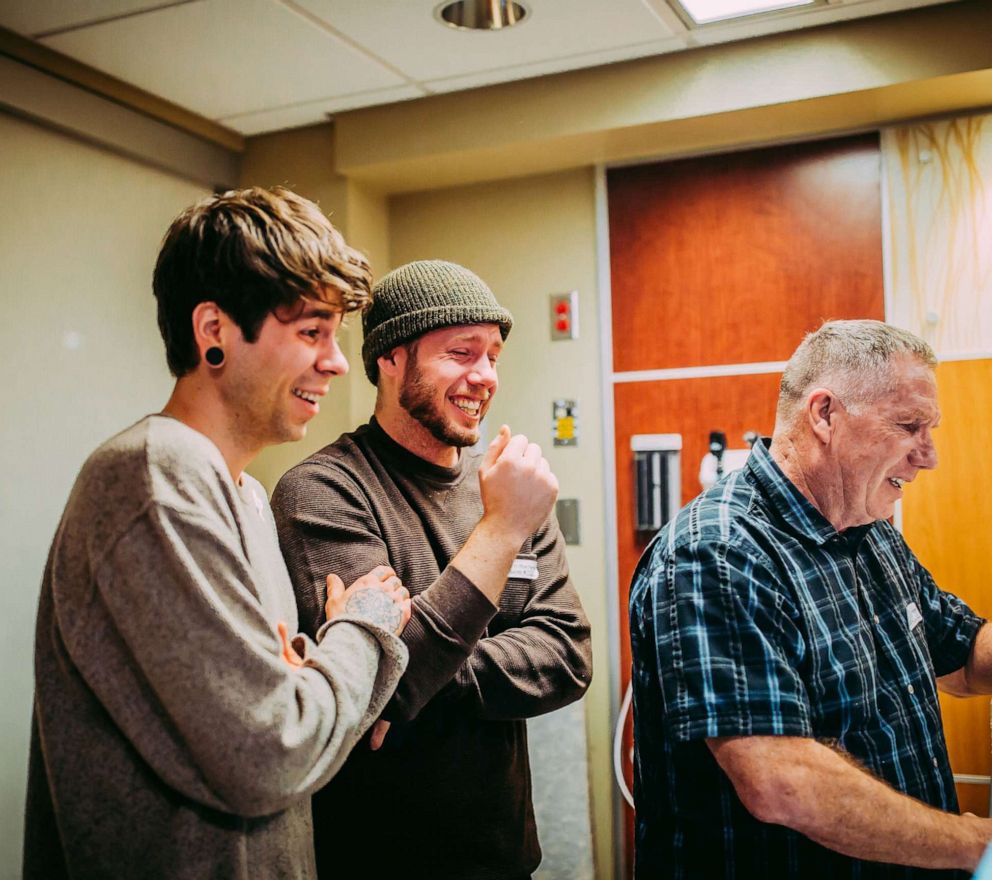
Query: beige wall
[(528, 238), (81, 359), (368, 229)]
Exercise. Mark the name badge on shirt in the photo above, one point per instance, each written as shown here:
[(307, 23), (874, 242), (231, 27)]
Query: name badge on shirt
[(524, 568), (913, 616)]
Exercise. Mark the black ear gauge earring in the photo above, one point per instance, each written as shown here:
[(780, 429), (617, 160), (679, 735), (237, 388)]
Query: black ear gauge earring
[(214, 356)]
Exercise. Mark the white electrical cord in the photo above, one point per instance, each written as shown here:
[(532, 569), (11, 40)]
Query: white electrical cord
[(618, 747)]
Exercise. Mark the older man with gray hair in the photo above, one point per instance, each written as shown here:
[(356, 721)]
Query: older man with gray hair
[(788, 646)]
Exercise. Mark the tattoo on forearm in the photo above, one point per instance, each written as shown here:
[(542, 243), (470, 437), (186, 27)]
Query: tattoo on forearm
[(374, 606)]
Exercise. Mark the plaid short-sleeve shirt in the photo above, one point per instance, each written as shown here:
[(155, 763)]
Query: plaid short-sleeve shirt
[(751, 615)]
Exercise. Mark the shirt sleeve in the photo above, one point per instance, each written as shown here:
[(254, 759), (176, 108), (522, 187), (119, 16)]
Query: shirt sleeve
[(542, 660), (326, 524), (177, 648), (726, 649), (950, 625)]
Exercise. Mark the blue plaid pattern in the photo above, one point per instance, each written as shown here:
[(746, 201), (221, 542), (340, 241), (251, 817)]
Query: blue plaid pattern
[(751, 615)]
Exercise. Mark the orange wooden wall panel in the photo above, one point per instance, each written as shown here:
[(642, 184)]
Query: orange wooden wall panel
[(730, 259), (947, 520)]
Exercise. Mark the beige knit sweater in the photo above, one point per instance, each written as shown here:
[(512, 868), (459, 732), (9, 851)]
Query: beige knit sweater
[(170, 739)]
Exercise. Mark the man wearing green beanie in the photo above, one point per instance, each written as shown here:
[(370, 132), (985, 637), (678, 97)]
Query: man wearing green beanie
[(497, 633)]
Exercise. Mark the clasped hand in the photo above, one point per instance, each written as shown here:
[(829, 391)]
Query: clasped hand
[(378, 597)]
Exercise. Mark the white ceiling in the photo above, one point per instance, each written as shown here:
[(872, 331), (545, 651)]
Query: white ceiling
[(263, 65)]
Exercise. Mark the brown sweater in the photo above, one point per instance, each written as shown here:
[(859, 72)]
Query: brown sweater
[(448, 794)]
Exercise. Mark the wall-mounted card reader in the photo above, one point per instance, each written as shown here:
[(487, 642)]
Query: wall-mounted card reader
[(657, 479), (564, 423)]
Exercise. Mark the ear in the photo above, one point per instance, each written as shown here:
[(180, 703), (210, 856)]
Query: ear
[(393, 363), (821, 413), (210, 326)]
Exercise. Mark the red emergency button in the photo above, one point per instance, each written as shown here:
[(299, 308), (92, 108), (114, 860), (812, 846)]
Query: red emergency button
[(564, 315)]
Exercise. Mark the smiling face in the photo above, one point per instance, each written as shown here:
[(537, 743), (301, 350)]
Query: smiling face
[(884, 444), (449, 380), (272, 386)]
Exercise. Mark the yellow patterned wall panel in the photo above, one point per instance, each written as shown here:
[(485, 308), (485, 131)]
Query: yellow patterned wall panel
[(939, 268)]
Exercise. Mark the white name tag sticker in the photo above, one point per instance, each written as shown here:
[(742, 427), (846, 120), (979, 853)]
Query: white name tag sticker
[(524, 568), (913, 616)]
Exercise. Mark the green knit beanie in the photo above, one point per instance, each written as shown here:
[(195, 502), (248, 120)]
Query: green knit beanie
[(422, 296)]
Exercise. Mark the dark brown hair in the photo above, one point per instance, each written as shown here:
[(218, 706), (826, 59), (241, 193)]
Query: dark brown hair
[(251, 251)]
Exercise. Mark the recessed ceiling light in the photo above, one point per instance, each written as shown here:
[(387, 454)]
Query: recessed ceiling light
[(706, 11), (481, 15)]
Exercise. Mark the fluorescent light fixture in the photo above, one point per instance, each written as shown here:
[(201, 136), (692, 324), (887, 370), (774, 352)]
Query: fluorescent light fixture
[(706, 11)]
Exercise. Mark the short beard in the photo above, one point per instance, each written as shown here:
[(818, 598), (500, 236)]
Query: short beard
[(417, 398)]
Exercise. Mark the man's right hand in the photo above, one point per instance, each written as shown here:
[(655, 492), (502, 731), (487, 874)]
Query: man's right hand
[(981, 834), (378, 597), (517, 486)]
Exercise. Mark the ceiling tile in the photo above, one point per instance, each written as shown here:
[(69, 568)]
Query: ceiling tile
[(260, 65), (406, 33), (557, 65), (223, 58), (41, 16), (311, 112)]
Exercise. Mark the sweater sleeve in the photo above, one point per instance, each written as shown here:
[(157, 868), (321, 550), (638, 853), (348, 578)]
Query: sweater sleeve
[(179, 651), (540, 659), (326, 524)]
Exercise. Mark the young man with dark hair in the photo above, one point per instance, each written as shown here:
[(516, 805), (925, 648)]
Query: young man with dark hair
[(497, 634), (176, 731)]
